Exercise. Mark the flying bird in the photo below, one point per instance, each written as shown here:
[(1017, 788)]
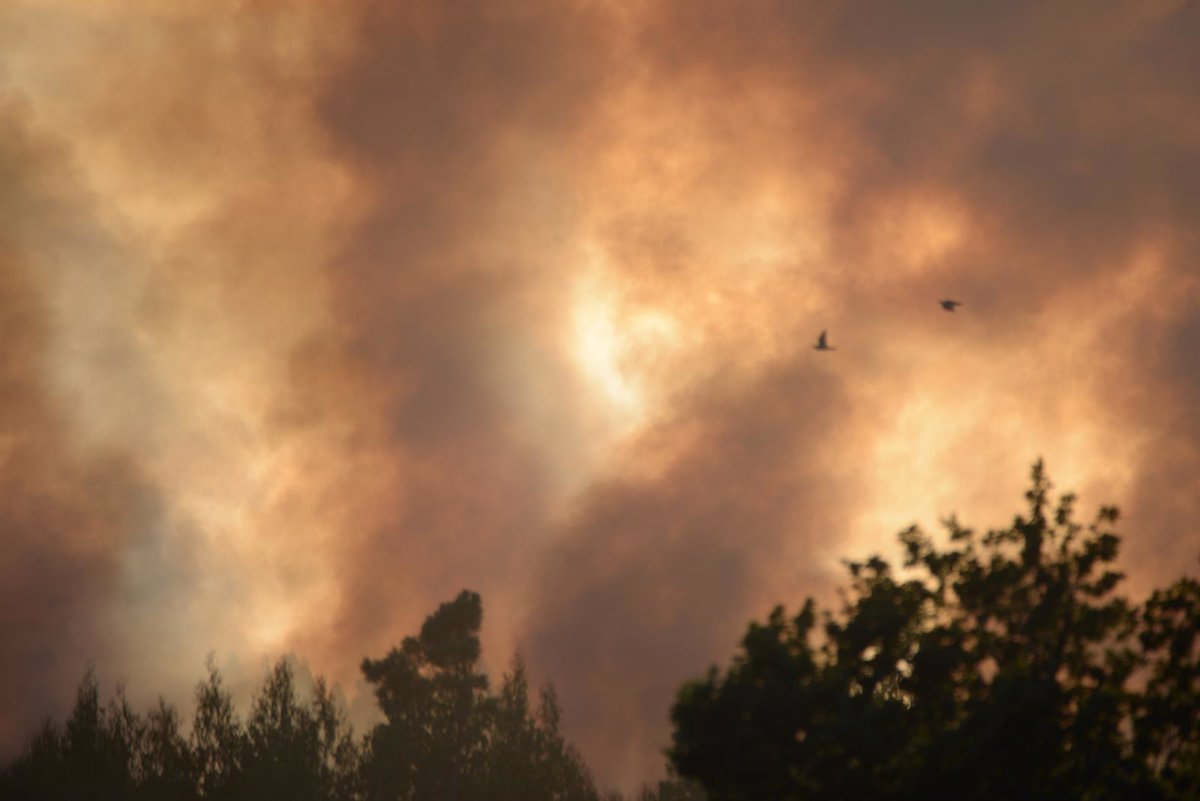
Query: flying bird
[(822, 344), (949, 305)]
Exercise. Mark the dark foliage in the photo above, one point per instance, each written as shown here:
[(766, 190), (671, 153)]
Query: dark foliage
[(1003, 666), (286, 749), (446, 737)]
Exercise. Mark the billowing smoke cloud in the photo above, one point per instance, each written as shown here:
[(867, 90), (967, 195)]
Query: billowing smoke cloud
[(460, 120), (65, 512), (1027, 161), (314, 317), (164, 246)]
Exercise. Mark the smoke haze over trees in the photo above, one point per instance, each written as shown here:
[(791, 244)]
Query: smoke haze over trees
[(299, 298), (998, 665)]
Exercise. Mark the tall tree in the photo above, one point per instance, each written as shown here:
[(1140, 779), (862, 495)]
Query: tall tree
[(218, 740), (93, 757), (528, 758), (434, 698), (303, 752), (167, 768), (447, 738)]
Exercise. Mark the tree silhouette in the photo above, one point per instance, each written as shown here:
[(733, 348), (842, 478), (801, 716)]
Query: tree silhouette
[(218, 745), (297, 751), (1005, 666), (444, 737), (93, 757), (287, 749), (166, 764), (527, 755), (434, 699), (1002, 664), (1167, 725)]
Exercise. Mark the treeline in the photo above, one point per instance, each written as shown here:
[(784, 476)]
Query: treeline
[(446, 735), (998, 665)]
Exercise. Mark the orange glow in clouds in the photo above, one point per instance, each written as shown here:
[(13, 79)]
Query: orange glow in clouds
[(321, 314)]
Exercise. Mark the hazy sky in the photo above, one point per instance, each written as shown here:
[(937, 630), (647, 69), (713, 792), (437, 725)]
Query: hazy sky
[(313, 314)]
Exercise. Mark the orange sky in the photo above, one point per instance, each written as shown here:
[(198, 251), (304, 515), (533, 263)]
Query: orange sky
[(313, 314)]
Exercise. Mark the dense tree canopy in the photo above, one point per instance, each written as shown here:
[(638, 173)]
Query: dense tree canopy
[(1000, 666)]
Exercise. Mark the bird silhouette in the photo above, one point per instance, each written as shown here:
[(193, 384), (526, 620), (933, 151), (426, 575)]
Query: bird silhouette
[(822, 344), (949, 305)]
